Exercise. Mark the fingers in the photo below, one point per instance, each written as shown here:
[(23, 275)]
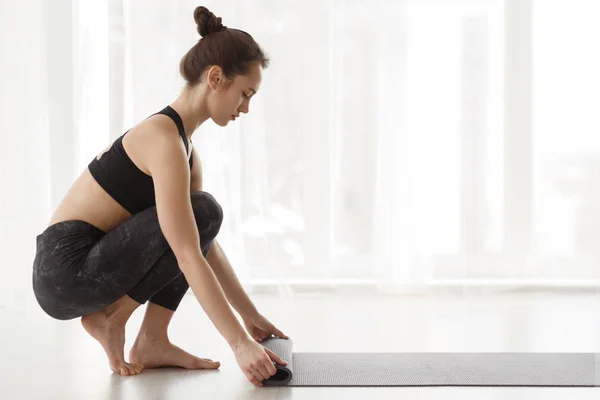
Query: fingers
[(276, 332), (263, 371), (275, 357), (270, 368), (252, 379), (270, 330), (257, 375), (280, 334), (266, 367)]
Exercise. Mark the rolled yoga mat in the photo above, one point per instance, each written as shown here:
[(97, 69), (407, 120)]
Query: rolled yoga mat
[(431, 369)]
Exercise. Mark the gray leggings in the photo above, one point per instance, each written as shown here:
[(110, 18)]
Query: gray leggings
[(79, 269)]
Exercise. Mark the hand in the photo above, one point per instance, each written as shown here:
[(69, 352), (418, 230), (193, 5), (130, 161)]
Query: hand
[(260, 328), (255, 361)]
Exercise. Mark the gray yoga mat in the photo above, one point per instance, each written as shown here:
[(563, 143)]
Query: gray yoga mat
[(431, 369)]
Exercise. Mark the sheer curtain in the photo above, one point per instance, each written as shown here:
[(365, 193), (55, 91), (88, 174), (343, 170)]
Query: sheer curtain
[(26, 152), (395, 143)]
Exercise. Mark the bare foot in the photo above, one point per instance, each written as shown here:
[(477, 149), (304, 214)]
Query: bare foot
[(161, 353), (111, 336)]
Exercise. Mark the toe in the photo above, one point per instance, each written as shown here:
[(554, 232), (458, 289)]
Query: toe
[(207, 364), (134, 370), (131, 370)]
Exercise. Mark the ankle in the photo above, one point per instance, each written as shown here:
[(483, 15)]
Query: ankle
[(121, 309), (153, 335)]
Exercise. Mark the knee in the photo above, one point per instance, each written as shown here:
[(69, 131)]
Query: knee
[(207, 211), (50, 305)]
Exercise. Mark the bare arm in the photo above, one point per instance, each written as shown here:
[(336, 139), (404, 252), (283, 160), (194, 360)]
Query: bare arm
[(225, 273), (171, 176)]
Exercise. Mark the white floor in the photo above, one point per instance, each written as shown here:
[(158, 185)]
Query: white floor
[(47, 359)]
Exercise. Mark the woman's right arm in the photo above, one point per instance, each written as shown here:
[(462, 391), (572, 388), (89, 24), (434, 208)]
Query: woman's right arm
[(171, 175)]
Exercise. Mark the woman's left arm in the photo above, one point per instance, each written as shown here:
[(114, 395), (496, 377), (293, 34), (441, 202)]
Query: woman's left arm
[(219, 263), (230, 283), (257, 325)]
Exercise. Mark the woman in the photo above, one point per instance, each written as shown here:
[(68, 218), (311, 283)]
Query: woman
[(136, 225)]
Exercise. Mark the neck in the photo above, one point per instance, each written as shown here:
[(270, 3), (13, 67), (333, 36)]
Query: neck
[(191, 107)]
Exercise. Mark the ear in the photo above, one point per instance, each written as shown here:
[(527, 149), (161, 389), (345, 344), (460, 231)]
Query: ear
[(215, 77)]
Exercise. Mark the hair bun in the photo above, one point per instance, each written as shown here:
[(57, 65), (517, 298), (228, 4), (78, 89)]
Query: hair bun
[(207, 22)]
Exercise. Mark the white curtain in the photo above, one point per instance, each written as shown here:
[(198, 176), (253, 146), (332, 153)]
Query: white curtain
[(397, 143), (26, 151)]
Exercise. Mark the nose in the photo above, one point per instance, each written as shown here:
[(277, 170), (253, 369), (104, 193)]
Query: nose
[(244, 108)]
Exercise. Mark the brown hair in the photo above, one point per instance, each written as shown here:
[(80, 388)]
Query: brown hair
[(231, 49)]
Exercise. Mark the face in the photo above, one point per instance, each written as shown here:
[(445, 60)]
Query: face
[(230, 98)]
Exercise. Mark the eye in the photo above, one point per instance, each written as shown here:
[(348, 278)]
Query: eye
[(246, 95)]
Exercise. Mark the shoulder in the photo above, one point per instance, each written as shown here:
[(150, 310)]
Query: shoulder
[(157, 143), (160, 129), (158, 134)]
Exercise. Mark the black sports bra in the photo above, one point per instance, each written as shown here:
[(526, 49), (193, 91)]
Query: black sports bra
[(131, 187)]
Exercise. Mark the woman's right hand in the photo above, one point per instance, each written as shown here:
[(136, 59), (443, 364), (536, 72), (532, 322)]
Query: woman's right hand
[(256, 361)]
